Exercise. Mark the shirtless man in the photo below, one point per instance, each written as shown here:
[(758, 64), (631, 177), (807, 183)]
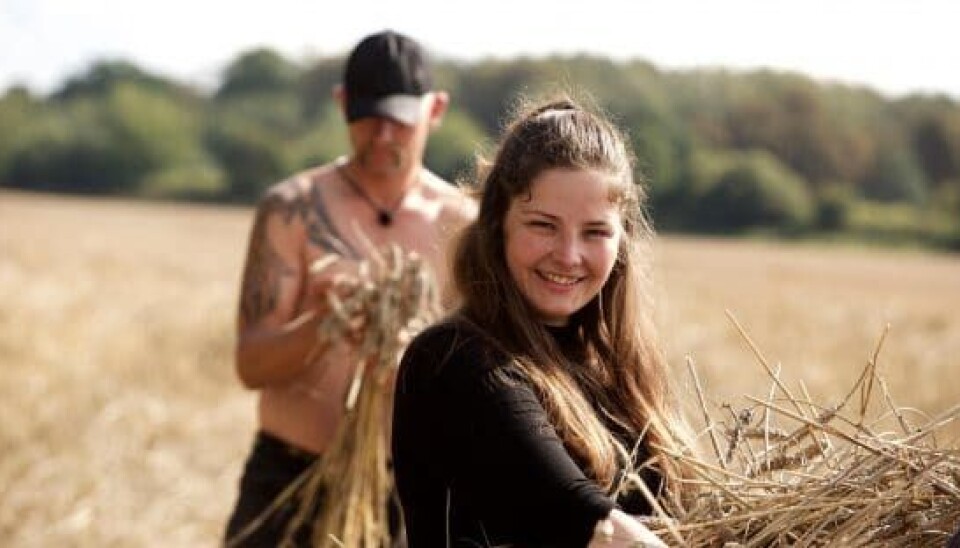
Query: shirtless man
[(381, 193)]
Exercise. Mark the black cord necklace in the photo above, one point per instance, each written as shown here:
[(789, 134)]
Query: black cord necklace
[(384, 215)]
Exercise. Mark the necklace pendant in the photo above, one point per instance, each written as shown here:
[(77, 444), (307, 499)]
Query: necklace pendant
[(385, 218)]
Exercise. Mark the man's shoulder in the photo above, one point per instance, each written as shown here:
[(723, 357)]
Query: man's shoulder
[(298, 186), (292, 197), (456, 203)]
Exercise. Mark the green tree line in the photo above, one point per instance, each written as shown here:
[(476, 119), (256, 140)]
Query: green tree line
[(724, 152)]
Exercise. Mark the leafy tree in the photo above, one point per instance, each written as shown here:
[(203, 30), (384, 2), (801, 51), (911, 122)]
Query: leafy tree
[(200, 181), (316, 87), (324, 140), (251, 157), (105, 144), (259, 70), (895, 177), (754, 190), (52, 153), (492, 86), (276, 112), (936, 140), (451, 149), (103, 76), (151, 130), (821, 132), (18, 112), (833, 205), (634, 94)]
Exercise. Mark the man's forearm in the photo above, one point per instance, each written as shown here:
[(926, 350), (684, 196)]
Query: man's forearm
[(275, 355)]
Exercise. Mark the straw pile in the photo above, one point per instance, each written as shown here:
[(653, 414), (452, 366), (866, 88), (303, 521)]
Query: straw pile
[(786, 471)]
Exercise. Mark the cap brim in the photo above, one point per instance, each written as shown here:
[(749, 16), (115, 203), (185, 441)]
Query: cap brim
[(405, 109)]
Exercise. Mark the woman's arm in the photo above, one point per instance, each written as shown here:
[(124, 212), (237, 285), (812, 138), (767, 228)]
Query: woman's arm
[(512, 465)]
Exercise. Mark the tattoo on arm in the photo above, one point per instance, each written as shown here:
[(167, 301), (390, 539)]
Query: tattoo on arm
[(320, 228), (265, 268), (260, 289)]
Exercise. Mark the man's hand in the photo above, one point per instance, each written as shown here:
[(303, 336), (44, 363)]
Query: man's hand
[(331, 275)]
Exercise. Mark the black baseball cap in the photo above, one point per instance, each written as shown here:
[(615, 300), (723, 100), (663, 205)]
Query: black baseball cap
[(386, 75)]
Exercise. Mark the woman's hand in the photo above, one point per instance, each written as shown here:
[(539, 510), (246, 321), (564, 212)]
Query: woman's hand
[(620, 530)]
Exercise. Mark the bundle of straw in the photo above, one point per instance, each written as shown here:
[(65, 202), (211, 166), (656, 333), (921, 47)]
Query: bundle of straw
[(790, 472), (392, 298)]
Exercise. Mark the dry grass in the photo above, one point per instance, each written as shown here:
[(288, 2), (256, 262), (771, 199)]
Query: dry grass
[(121, 423), (789, 471)]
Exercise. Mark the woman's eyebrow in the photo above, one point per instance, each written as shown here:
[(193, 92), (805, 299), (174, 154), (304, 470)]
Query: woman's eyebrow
[(534, 211), (599, 224), (595, 223)]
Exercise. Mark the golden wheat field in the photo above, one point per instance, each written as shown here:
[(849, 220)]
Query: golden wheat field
[(121, 423)]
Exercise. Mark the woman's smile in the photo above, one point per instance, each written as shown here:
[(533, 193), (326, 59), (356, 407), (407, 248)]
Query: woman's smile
[(561, 241)]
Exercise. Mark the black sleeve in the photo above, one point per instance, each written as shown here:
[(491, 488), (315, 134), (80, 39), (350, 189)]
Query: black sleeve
[(514, 463), (504, 459)]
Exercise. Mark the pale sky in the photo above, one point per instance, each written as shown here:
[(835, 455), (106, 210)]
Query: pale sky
[(895, 47)]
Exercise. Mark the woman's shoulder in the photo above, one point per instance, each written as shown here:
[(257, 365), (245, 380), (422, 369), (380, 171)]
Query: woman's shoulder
[(450, 348), (450, 337)]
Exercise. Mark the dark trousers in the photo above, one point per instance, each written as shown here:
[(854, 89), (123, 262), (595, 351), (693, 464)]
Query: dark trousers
[(271, 467)]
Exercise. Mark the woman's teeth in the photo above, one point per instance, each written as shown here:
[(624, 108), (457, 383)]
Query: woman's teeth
[(558, 279)]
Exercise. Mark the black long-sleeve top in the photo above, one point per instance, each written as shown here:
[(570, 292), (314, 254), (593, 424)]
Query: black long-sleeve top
[(476, 460)]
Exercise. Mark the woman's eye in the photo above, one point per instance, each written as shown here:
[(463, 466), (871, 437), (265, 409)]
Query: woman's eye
[(599, 233), (540, 224)]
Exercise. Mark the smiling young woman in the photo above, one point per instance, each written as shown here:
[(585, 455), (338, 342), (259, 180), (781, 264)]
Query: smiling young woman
[(516, 418), (561, 241)]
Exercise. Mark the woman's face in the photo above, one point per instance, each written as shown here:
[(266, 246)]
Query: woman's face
[(561, 241)]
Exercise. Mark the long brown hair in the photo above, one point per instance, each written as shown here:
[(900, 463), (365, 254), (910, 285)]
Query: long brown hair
[(623, 373)]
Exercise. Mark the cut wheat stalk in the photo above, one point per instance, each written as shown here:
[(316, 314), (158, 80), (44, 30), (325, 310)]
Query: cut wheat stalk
[(395, 297)]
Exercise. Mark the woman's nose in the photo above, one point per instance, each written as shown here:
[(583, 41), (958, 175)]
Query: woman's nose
[(566, 250)]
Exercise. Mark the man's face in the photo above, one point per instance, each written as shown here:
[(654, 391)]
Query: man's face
[(385, 147)]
